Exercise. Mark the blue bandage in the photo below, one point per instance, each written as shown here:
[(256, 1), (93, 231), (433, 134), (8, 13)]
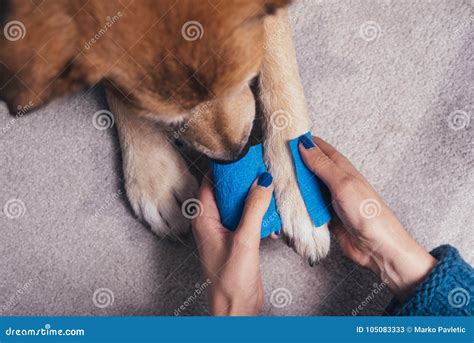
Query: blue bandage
[(232, 183)]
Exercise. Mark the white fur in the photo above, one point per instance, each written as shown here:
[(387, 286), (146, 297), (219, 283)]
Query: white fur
[(282, 92), (157, 179)]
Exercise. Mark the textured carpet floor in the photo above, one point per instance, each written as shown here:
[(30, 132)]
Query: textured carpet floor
[(389, 83)]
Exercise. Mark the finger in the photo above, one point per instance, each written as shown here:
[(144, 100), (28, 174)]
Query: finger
[(256, 205), (339, 159), (275, 235), (319, 163)]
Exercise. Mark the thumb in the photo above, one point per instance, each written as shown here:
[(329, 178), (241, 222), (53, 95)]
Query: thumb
[(256, 205), (319, 163)]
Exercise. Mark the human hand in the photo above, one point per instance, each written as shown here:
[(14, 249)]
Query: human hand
[(231, 260), (367, 230)]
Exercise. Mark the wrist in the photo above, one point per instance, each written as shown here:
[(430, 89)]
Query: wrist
[(233, 307), (224, 304), (234, 311), (402, 265)]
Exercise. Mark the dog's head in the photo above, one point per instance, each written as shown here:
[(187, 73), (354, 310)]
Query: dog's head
[(182, 61)]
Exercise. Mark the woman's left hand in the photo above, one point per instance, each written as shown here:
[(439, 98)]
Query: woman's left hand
[(231, 260)]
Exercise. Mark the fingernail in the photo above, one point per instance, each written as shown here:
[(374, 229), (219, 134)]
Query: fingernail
[(307, 142), (265, 180), (277, 233)]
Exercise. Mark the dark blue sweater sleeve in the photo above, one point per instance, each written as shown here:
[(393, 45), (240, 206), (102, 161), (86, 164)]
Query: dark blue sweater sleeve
[(446, 291)]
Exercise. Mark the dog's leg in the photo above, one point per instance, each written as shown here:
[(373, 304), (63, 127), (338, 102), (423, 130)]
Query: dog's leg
[(286, 117), (157, 179)]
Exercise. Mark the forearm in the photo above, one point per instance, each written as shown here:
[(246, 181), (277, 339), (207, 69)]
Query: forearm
[(445, 291), (401, 262)]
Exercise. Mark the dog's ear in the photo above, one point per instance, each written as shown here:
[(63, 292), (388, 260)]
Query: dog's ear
[(271, 6), (38, 55)]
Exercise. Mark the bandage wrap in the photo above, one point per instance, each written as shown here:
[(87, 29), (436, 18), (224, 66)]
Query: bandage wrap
[(232, 183)]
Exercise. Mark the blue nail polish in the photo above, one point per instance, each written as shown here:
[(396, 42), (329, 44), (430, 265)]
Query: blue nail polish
[(307, 142), (277, 233), (265, 179)]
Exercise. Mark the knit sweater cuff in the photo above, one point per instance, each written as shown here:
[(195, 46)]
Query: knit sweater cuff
[(446, 291)]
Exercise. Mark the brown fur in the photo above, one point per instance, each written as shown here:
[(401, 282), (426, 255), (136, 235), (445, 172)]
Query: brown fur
[(142, 55)]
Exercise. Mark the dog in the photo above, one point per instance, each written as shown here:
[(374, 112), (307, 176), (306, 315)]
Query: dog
[(163, 63)]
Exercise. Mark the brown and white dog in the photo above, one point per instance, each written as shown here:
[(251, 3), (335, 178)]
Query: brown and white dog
[(163, 61)]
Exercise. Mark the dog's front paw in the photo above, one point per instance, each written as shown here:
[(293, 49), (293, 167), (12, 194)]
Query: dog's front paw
[(157, 179), (309, 241), (162, 192), (300, 233)]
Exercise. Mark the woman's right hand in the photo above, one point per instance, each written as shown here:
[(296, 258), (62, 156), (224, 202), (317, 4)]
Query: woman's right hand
[(367, 230)]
